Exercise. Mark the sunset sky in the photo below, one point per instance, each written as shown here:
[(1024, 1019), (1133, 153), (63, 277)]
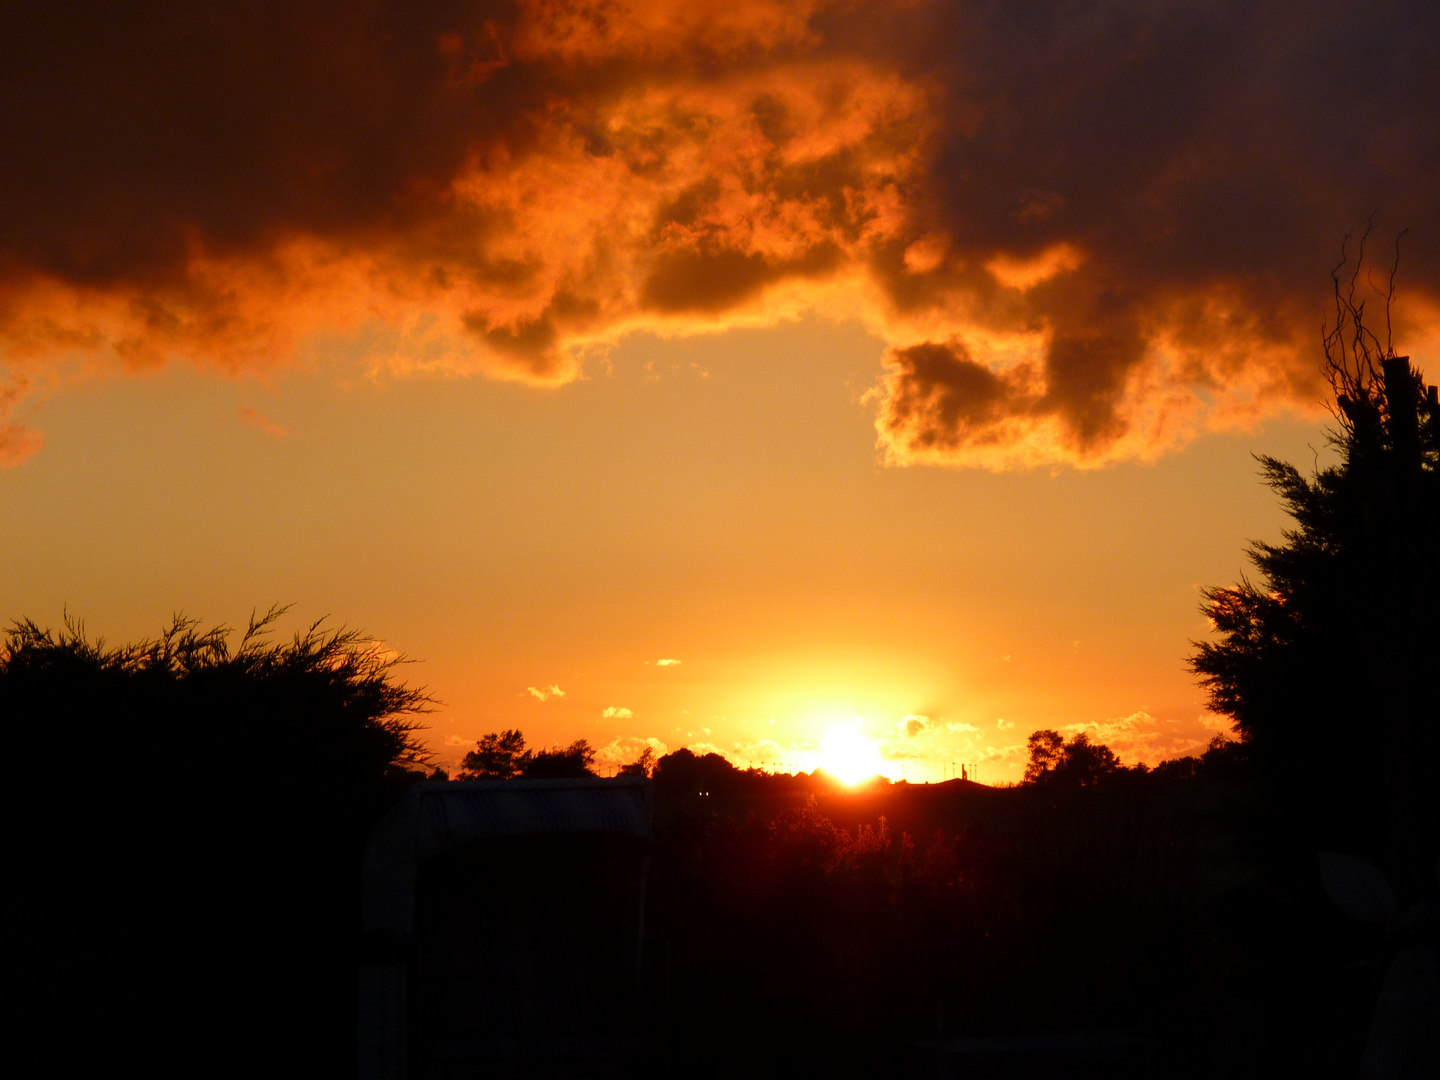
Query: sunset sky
[(708, 374)]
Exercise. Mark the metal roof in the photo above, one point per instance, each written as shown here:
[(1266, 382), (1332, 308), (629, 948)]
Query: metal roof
[(438, 816)]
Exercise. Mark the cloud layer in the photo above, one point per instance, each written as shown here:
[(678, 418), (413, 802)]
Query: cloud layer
[(1088, 230)]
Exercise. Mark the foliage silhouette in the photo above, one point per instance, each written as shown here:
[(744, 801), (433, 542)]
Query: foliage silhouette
[(686, 771), (501, 755), (1327, 669), (1077, 763), (1326, 666), (213, 837), (1047, 749), (495, 757), (559, 762), (644, 765)]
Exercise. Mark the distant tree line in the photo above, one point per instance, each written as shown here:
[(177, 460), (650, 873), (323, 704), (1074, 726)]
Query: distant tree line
[(503, 755), (1055, 762)]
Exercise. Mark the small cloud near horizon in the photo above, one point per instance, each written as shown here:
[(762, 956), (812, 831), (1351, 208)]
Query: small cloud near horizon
[(1141, 737), (667, 662), (618, 712), (623, 749), (545, 693)]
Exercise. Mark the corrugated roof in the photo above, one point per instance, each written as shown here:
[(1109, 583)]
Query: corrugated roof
[(437, 816)]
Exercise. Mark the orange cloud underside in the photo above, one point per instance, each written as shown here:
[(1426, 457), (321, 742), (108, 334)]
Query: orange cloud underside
[(690, 167)]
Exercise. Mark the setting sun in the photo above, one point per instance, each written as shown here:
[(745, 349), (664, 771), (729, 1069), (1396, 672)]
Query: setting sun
[(848, 755)]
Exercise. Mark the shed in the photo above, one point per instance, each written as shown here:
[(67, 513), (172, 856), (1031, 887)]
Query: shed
[(504, 922)]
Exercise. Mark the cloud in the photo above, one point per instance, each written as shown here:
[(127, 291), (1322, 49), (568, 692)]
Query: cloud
[(1087, 231), (666, 663), (264, 423), (623, 749), (616, 712), (456, 740), (17, 441), (1140, 737), (1003, 755), (913, 725), (545, 693)]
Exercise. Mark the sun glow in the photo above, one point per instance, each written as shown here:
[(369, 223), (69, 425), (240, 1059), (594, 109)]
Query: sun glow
[(848, 755)]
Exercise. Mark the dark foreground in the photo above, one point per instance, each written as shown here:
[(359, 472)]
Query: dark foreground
[(954, 930)]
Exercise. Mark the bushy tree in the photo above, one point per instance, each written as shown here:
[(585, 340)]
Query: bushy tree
[(571, 762), (495, 757), (644, 765), (1327, 664), (1077, 763), (201, 820), (501, 755), (1047, 748), (684, 771)]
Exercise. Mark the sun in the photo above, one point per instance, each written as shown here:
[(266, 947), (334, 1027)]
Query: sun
[(848, 755)]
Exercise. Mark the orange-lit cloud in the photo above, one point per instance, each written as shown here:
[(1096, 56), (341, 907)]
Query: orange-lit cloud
[(17, 441), (1088, 232), (622, 750), (616, 712), (545, 693), (261, 421), (1141, 737), (1023, 274), (914, 724)]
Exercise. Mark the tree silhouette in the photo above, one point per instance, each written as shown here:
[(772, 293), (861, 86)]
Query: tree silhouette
[(1047, 748), (644, 765), (1327, 664), (501, 755), (1085, 762), (688, 772), (495, 757), (559, 763), (1077, 763)]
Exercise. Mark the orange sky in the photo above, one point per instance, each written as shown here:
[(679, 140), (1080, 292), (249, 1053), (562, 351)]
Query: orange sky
[(877, 360)]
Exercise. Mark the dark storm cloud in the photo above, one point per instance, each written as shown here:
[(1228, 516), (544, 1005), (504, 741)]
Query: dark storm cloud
[(131, 127), (1089, 230), (1207, 159)]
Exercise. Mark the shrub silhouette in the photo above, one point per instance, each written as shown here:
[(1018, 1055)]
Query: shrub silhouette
[(211, 837)]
